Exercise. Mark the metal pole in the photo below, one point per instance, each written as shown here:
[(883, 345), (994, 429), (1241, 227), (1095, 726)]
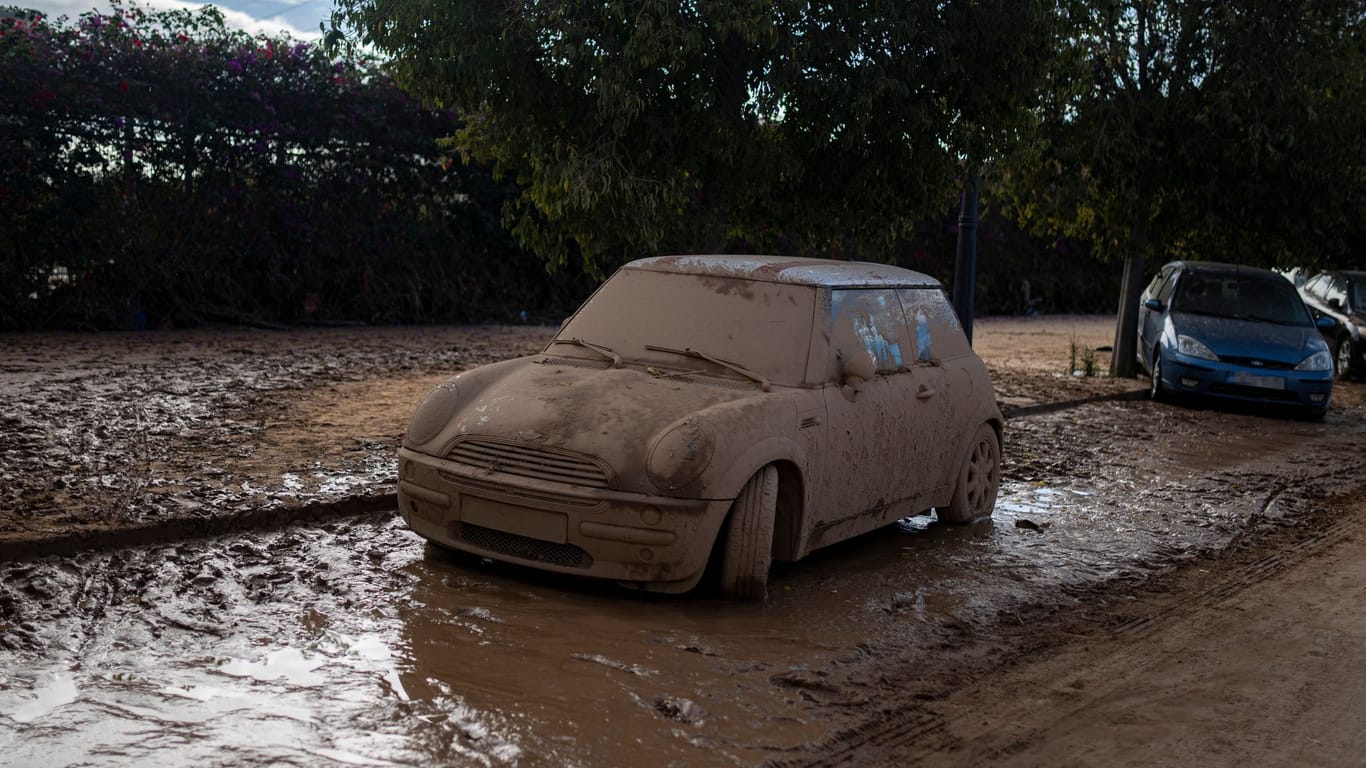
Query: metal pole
[(965, 267)]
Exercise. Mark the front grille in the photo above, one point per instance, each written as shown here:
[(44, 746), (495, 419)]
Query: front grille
[(1258, 393), (524, 547), (1257, 363), (529, 461)]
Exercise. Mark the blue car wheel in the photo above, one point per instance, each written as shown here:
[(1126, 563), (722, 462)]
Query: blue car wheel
[(1157, 391)]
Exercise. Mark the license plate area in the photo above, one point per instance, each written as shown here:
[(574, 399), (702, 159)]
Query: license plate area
[(508, 518), (1255, 380)]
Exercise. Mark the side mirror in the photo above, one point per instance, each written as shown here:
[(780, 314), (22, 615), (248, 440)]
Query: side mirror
[(1325, 323), (1335, 304), (1153, 304)]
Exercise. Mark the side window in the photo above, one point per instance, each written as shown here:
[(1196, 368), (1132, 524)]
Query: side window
[(1164, 293), (1156, 283), (1315, 286), (933, 325), (1337, 289), (869, 322)]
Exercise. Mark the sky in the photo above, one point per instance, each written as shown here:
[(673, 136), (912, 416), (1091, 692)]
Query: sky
[(299, 18)]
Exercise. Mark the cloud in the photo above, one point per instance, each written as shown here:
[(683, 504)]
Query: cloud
[(235, 18)]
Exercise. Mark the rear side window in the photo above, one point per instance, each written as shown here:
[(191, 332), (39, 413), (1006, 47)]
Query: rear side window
[(870, 320), (934, 325)]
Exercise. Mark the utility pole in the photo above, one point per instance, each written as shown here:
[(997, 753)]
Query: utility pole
[(965, 266)]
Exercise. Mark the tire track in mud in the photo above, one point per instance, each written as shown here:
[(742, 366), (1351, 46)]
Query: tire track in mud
[(187, 529)]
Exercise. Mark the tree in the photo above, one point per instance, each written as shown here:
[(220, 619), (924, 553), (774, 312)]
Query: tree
[(157, 167), (1196, 128), (781, 125)]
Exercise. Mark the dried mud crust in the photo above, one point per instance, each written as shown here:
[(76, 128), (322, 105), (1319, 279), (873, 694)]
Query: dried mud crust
[(108, 432)]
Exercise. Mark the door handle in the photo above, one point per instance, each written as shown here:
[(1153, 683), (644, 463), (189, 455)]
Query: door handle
[(925, 393)]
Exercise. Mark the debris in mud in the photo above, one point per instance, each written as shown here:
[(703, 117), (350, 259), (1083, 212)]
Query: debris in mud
[(1030, 525), (680, 710)]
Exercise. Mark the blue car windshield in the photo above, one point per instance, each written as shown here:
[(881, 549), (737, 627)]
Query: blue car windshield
[(1241, 297)]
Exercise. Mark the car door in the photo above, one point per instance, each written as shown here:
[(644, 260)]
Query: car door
[(1150, 320), (873, 455)]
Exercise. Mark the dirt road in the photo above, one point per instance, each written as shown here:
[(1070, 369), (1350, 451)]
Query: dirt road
[(1159, 584), (1251, 662)]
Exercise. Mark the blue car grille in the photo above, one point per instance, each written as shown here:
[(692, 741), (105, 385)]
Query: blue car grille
[(1257, 362)]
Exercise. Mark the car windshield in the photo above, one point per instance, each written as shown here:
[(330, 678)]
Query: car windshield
[(1239, 296), (764, 327)]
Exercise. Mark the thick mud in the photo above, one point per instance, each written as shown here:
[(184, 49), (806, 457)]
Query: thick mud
[(351, 642)]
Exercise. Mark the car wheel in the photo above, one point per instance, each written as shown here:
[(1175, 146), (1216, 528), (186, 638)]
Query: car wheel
[(1346, 353), (1155, 390), (748, 549), (979, 478)]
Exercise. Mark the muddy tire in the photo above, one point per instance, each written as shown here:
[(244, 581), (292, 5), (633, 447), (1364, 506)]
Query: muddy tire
[(1156, 391), (748, 549), (1342, 362), (979, 478)]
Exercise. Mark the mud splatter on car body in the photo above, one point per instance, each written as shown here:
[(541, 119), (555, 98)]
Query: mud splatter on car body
[(749, 408)]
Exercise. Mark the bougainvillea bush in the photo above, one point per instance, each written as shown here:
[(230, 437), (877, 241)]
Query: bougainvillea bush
[(158, 168)]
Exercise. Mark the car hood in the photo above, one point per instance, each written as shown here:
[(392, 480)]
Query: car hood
[(1230, 337), (612, 416)]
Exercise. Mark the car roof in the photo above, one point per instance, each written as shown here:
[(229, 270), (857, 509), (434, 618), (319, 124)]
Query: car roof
[(790, 269), (1221, 268)]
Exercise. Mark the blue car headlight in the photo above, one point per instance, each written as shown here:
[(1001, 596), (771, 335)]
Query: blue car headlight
[(1193, 347), (1319, 361)]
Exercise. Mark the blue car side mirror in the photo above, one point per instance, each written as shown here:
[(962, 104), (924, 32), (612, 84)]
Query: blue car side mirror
[(1325, 322), (1153, 304)]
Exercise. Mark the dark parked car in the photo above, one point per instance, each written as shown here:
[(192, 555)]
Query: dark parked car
[(1341, 296), (1232, 332)]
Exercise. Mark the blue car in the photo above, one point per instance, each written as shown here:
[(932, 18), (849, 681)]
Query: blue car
[(1235, 333)]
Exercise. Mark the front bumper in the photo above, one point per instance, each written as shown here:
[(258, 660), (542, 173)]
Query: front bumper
[(1300, 390), (657, 543)]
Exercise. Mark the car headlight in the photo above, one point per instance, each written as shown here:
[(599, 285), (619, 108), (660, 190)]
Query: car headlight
[(1319, 361), (1193, 347), (433, 414), (680, 455)]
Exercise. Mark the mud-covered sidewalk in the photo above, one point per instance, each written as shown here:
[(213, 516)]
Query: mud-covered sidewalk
[(119, 438)]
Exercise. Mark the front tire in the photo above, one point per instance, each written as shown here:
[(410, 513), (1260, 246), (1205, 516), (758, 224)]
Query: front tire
[(1343, 361), (1156, 391), (748, 550), (979, 479)]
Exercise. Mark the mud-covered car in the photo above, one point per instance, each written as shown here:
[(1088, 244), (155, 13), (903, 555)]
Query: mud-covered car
[(718, 410)]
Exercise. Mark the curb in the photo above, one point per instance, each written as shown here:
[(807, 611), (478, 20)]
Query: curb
[(185, 529), (1063, 405)]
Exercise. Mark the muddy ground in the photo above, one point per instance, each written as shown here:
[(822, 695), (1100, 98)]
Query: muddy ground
[(202, 563)]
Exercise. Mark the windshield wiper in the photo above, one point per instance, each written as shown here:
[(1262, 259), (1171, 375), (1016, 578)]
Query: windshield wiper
[(601, 350), (736, 367)]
